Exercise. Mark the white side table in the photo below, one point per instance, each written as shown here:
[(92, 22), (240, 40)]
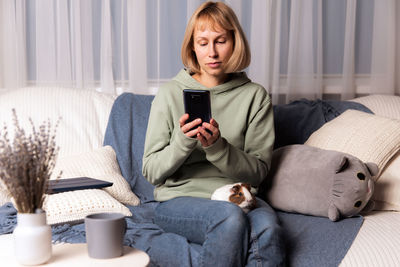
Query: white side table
[(74, 255)]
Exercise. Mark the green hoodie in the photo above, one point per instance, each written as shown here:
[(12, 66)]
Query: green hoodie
[(179, 166)]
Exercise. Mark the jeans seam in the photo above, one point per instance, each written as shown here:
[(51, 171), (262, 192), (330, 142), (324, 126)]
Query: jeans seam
[(201, 256), (255, 248)]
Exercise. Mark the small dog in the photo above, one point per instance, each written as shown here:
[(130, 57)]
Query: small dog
[(238, 194)]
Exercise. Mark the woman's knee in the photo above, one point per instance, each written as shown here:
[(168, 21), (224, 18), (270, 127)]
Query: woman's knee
[(263, 216), (265, 224), (232, 219)]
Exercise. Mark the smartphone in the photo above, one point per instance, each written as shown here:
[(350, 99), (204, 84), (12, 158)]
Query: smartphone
[(197, 104)]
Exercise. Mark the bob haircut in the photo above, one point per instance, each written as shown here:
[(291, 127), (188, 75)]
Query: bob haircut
[(216, 15)]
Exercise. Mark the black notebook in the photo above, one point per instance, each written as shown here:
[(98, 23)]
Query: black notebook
[(78, 183)]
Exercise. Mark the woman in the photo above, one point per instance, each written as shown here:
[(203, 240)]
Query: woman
[(188, 159)]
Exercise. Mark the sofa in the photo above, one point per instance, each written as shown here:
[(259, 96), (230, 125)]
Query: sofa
[(86, 136)]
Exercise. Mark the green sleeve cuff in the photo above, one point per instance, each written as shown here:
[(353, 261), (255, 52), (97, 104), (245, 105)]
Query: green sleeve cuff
[(216, 150), (184, 143)]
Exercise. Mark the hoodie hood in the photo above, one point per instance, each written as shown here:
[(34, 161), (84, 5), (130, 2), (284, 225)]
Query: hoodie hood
[(188, 82)]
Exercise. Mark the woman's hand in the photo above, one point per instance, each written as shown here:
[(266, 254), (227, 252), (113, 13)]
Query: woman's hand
[(207, 138), (189, 129), (200, 132)]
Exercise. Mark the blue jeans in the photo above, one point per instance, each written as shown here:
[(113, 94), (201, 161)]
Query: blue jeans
[(228, 237)]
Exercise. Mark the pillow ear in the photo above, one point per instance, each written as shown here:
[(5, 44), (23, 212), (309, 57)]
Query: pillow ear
[(372, 168), (343, 163), (333, 213)]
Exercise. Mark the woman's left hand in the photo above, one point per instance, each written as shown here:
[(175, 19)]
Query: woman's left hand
[(207, 138)]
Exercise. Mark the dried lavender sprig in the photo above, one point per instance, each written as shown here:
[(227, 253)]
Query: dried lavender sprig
[(27, 162)]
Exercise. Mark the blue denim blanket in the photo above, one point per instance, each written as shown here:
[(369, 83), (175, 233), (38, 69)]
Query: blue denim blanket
[(311, 241)]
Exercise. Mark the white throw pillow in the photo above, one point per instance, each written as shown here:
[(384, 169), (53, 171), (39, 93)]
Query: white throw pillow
[(100, 164), (368, 137), (4, 195), (387, 189), (382, 105), (74, 206)]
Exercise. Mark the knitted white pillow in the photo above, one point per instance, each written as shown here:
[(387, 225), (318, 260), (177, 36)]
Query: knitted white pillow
[(382, 105), (4, 195), (387, 189), (74, 206), (100, 164), (369, 137)]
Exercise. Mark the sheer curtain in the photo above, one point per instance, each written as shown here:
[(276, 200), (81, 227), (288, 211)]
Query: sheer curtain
[(385, 67), (13, 59), (309, 48)]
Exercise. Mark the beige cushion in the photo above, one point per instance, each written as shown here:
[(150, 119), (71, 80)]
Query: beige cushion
[(382, 105), (100, 164), (387, 189), (369, 137), (73, 206), (4, 195), (376, 243)]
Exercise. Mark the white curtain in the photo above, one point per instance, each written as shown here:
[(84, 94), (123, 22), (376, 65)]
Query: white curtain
[(385, 39), (12, 44), (69, 46), (302, 75), (265, 66), (348, 89), (300, 49)]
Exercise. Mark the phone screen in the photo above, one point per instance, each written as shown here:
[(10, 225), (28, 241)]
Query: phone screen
[(197, 104)]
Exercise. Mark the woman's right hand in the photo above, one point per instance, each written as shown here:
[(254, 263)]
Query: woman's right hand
[(186, 127)]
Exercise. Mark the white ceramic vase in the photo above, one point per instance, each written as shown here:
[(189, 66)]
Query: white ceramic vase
[(32, 239)]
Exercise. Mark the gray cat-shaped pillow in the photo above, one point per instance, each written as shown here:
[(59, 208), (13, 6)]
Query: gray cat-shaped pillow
[(314, 181)]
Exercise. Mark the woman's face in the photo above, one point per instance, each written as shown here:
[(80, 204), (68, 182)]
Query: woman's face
[(213, 48)]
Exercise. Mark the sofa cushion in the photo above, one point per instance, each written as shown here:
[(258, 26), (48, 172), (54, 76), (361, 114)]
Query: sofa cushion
[(386, 196), (84, 114), (369, 137), (387, 189), (4, 195), (382, 105), (100, 164), (74, 206)]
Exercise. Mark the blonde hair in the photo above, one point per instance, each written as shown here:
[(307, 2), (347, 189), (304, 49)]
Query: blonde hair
[(217, 15)]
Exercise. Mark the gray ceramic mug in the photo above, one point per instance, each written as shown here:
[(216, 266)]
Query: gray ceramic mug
[(105, 235)]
